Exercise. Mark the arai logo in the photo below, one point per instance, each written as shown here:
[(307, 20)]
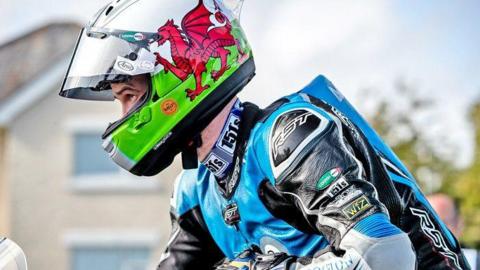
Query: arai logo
[(123, 65), (328, 178)]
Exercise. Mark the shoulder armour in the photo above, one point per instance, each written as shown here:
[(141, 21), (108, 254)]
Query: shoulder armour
[(291, 132)]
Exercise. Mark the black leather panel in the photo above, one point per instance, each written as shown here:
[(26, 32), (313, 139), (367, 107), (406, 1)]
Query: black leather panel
[(191, 246), (328, 181), (432, 247)]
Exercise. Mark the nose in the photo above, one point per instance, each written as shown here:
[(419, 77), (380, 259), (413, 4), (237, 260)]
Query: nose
[(127, 106)]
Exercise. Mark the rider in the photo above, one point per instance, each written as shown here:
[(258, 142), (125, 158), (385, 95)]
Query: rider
[(302, 184)]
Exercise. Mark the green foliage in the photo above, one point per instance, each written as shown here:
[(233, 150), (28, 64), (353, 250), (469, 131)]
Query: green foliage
[(434, 172), (466, 187), (396, 125)]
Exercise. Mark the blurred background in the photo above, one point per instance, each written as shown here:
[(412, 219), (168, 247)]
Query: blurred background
[(412, 68)]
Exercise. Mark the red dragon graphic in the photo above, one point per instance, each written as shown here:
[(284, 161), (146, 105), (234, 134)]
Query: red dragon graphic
[(195, 43)]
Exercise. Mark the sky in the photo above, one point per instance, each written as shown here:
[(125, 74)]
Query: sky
[(430, 44)]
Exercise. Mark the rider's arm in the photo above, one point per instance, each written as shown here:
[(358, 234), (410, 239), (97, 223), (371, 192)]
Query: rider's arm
[(190, 245), (315, 167)]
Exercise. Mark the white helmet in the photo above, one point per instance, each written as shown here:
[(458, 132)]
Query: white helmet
[(195, 56), (11, 256)]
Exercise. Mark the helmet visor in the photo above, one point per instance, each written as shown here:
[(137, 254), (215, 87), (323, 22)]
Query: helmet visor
[(104, 56), (232, 8)]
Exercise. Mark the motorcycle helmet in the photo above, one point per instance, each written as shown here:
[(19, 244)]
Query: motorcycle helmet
[(196, 59), (12, 256)]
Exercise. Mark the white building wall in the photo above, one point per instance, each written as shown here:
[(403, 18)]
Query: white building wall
[(4, 187), (46, 211)]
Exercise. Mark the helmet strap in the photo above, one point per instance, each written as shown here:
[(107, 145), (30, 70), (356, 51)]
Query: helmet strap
[(189, 153)]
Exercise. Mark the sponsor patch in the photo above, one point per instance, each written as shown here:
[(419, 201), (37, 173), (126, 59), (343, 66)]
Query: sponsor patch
[(229, 134), (147, 65), (231, 215), (169, 106), (346, 196), (224, 147), (162, 141), (133, 36), (328, 177), (356, 207), (139, 36), (337, 187), (128, 36), (215, 164)]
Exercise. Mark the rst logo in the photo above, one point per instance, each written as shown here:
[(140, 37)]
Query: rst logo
[(231, 216), (230, 134), (436, 237), (356, 207), (289, 128)]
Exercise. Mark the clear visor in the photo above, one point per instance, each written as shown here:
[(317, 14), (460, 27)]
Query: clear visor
[(232, 8), (104, 56)]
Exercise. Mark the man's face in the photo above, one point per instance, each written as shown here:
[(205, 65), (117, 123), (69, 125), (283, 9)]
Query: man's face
[(445, 208), (129, 93)]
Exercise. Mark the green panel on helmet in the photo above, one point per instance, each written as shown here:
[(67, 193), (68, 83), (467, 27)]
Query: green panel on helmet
[(163, 83)]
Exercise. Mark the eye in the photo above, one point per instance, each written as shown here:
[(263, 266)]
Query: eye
[(130, 97)]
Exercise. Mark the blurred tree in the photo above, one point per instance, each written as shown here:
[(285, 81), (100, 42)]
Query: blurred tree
[(396, 125), (394, 121), (465, 186)]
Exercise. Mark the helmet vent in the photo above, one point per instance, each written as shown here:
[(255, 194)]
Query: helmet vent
[(133, 56), (109, 9)]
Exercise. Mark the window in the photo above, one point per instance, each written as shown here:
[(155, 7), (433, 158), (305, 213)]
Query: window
[(92, 170), (89, 156), (111, 249), (112, 258)]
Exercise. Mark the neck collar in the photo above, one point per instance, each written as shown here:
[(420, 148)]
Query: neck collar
[(221, 157)]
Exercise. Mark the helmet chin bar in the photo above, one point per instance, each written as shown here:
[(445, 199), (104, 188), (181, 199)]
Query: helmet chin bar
[(179, 141)]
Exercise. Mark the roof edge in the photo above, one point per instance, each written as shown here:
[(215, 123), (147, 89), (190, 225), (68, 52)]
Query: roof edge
[(28, 33), (27, 94)]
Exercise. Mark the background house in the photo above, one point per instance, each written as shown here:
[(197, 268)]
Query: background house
[(61, 199)]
